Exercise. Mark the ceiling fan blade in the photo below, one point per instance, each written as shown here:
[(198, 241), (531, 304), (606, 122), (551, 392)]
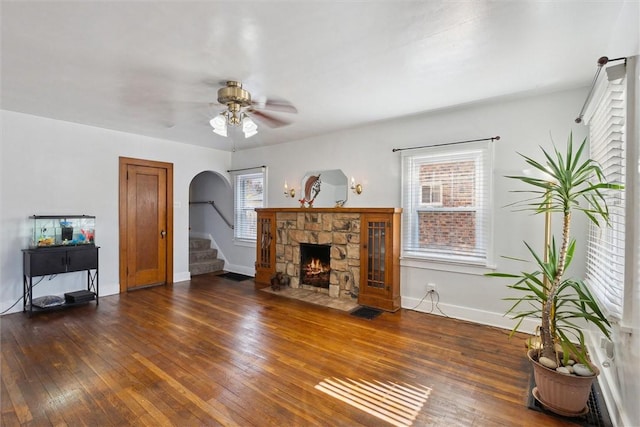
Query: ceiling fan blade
[(275, 105), (267, 119)]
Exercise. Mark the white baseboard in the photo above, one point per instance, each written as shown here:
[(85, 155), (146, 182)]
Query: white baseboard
[(16, 308), (240, 269), (469, 314), (181, 276)]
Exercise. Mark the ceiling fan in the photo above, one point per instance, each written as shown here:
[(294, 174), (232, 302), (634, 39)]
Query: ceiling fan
[(241, 110)]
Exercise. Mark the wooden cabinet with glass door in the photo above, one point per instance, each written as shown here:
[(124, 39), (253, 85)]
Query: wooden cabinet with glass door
[(265, 246), (380, 260)]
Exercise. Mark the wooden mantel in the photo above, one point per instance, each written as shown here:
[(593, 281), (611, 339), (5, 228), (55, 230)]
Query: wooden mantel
[(332, 210)]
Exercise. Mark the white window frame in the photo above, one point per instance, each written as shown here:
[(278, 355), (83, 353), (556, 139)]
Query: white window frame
[(482, 153), (431, 185), (244, 215)]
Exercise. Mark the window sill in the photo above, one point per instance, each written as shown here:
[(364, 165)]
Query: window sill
[(454, 266), (245, 243)]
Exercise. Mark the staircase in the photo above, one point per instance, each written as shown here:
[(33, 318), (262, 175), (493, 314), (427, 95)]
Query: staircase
[(202, 258)]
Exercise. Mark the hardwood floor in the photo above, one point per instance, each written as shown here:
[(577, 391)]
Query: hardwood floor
[(217, 352)]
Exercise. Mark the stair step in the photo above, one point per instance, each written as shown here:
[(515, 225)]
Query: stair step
[(198, 255), (202, 257), (199, 243), (206, 267)]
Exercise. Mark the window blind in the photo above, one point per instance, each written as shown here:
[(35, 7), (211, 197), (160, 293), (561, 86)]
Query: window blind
[(606, 117), (249, 195), (446, 200)]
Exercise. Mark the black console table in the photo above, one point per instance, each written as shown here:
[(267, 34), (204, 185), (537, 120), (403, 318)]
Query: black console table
[(58, 260)]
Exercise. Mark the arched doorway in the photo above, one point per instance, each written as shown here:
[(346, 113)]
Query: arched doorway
[(210, 222)]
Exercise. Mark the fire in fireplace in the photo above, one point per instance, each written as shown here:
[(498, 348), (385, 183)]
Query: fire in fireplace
[(315, 265)]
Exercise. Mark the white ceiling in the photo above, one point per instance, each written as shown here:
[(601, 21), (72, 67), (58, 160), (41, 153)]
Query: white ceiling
[(153, 68)]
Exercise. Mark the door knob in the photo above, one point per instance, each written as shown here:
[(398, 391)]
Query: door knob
[(163, 233)]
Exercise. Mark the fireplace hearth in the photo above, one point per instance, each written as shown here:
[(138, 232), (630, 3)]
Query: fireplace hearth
[(315, 265)]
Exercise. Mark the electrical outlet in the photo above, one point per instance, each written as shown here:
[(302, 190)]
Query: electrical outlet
[(431, 287)]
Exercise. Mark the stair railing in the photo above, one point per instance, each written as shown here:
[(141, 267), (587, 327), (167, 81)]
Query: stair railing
[(215, 208)]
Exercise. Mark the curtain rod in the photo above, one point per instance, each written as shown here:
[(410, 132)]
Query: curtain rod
[(496, 138), (602, 61), (245, 169)]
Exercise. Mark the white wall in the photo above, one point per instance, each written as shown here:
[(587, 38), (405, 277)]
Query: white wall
[(55, 167), (523, 124)]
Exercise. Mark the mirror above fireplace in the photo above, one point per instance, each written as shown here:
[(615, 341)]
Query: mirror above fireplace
[(325, 188)]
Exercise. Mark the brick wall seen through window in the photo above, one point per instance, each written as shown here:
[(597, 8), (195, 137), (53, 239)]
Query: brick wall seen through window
[(442, 226)]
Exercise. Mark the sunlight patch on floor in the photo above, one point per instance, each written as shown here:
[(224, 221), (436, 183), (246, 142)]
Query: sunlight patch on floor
[(395, 403)]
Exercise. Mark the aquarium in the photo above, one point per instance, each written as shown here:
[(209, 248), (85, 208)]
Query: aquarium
[(70, 230)]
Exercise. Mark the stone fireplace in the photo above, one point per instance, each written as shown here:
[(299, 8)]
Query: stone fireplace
[(364, 251), (334, 230)]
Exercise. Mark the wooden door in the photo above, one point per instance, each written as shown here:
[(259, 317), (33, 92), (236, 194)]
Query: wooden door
[(146, 229)]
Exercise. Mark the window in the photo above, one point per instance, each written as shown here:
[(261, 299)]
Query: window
[(431, 194), (606, 118), (249, 195), (446, 203)]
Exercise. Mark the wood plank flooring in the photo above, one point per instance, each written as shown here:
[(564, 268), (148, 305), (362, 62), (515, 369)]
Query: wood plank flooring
[(211, 352)]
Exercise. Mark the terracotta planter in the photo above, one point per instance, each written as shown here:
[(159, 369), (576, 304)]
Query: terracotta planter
[(563, 394)]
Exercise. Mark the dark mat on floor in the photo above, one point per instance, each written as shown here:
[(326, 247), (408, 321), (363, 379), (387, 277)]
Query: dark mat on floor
[(236, 277), (596, 416), (366, 312)]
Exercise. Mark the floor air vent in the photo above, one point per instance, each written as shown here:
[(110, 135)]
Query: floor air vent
[(366, 312)]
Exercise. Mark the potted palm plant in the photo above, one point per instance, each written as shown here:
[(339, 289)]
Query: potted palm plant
[(562, 370)]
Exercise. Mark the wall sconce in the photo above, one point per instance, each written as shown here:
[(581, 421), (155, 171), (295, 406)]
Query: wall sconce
[(289, 192), (356, 188)]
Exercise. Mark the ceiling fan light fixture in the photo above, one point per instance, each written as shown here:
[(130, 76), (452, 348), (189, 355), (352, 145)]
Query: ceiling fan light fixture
[(218, 122), (230, 118), (233, 118), (239, 104), (219, 125), (249, 127)]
